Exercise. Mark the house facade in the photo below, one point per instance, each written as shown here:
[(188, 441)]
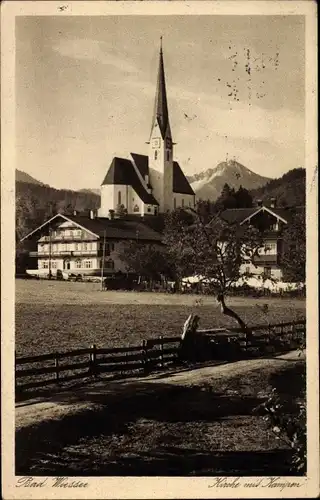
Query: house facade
[(84, 246), (272, 221)]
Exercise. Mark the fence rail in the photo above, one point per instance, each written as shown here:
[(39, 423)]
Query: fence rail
[(151, 354)]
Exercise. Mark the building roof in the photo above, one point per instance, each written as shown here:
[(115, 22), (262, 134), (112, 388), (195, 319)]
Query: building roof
[(117, 228), (122, 171), (160, 112), (141, 162), (180, 182), (240, 215), (120, 229)]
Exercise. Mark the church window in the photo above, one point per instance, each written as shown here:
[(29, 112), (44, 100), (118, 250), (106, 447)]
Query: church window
[(136, 208), (174, 203), (168, 155), (148, 209), (119, 197), (155, 154)]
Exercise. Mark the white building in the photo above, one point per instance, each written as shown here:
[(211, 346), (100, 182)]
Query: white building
[(152, 184)]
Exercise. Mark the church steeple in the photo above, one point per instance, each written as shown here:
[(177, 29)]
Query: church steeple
[(160, 113)]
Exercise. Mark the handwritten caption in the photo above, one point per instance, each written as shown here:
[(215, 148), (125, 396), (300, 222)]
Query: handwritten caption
[(219, 482), (264, 482), (54, 482)]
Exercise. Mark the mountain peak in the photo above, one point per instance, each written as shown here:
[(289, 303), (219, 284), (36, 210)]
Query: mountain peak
[(24, 177), (208, 184)]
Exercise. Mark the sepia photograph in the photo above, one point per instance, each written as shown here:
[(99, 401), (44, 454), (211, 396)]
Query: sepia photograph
[(162, 250)]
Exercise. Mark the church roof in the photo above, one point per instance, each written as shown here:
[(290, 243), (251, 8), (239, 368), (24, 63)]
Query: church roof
[(141, 162), (180, 182), (122, 171), (160, 112)]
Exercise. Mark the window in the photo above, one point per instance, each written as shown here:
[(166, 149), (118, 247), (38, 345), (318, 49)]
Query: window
[(148, 209), (85, 246), (45, 264), (267, 272), (109, 264), (155, 154), (54, 264), (77, 232), (63, 247), (119, 197), (247, 271), (88, 264), (168, 155), (78, 246), (270, 248), (136, 208), (54, 247), (78, 264)]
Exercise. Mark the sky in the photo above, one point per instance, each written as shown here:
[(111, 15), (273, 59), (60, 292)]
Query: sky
[(85, 91)]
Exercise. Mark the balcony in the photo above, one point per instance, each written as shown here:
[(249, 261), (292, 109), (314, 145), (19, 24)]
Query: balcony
[(63, 237), (266, 259), (66, 253)]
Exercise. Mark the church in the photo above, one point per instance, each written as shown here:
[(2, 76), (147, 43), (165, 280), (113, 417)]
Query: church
[(148, 184), (139, 188)]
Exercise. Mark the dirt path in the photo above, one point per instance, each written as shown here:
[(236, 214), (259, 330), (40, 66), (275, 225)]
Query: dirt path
[(101, 393)]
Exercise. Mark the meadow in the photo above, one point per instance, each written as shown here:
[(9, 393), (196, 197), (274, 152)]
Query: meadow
[(57, 316)]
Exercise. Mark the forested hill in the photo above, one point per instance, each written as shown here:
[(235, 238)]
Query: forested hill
[(289, 190), (35, 203)]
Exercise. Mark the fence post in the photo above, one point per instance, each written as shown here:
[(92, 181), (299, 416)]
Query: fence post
[(93, 360), (161, 351), (56, 364), (145, 357)]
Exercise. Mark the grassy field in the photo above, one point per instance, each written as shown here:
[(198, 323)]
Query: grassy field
[(56, 316)]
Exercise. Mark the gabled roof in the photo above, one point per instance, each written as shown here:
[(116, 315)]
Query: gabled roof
[(180, 182), (116, 229), (122, 171), (141, 162), (241, 215)]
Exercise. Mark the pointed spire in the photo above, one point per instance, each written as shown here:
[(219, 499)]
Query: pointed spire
[(161, 105)]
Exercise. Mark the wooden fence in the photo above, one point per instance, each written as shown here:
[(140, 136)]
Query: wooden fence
[(150, 355)]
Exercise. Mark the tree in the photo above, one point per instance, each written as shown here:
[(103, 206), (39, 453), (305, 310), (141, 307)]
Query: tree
[(215, 252), (293, 261), (121, 211), (243, 198), (147, 260)]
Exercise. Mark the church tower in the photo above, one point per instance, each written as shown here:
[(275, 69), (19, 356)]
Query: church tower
[(161, 146)]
